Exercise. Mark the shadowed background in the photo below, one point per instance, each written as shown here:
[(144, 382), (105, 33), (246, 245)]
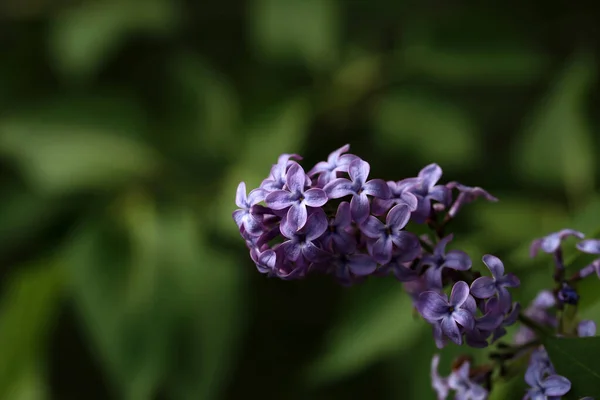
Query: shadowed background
[(125, 127)]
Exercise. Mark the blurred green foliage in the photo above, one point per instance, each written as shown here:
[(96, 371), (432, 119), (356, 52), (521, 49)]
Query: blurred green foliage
[(125, 127)]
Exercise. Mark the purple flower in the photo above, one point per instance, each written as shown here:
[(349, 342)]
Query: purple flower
[(590, 246), (486, 287), (454, 259), (586, 328), (336, 162), (439, 384), (426, 190), (244, 217), (465, 388), (485, 325), (448, 314), (543, 386), (400, 263), (389, 234), (350, 268), (359, 188), (509, 319), (551, 243), (265, 260), (338, 236), (295, 199), (398, 194), (467, 194), (277, 176), (590, 269), (300, 243)]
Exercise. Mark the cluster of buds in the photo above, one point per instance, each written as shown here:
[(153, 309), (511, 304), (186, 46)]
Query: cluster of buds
[(333, 219)]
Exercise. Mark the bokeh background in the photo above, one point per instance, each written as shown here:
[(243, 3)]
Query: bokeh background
[(125, 127)]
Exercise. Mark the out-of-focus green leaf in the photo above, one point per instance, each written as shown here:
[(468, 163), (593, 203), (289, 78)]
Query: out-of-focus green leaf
[(83, 37), (26, 314), (65, 157), (379, 322), (436, 129), (305, 29), (29, 386), (281, 129), (577, 359), (557, 147)]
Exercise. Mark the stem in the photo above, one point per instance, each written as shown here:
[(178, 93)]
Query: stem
[(540, 330)]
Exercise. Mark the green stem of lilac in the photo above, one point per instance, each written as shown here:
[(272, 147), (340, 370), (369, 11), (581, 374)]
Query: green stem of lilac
[(540, 330)]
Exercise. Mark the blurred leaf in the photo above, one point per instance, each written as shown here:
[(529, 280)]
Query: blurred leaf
[(281, 129), (29, 386), (307, 29), (577, 359), (28, 308), (65, 157), (557, 145), (82, 37), (378, 323), (436, 129)]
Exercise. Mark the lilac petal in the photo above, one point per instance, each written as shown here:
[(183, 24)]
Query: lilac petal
[(441, 194), (534, 249), (372, 227), (494, 264), (590, 246), (433, 276), (504, 299), (459, 294), (338, 188), (533, 374), (321, 166), (316, 225), (438, 336), (335, 155), (252, 226), (432, 306), (550, 243), (295, 178), (315, 254), (279, 199), (544, 300), (359, 171), (315, 197), (238, 217), (556, 385), (451, 329), (398, 216), (377, 188), (240, 195), (430, 175), (344, 162), (343, 217), (586, 329), (361, 264), (408, 245), (382, 250), (464, 318), (404, 274), (489, 321), (287, 230), (359, 208), (297, 216), (483, 287), (511, 280), (440, 247), (256, 196), (458, 260), (344, 242), (291, 250), (410, 200)]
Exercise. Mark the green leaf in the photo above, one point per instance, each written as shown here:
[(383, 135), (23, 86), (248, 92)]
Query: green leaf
[(305, 29), (378, 323), (577, 360), (557, 145), (82, 38), (29, 306), (65, 156), (436, 129)]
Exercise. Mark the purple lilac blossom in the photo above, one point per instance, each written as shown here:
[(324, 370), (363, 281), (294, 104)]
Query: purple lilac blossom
[(448, 315), (465, 389), (295, 199), (551, 243), (401, 262), (589, 246), (352, 268), (300, 243), (244, 216), (277, 176), (426, 190), (336, 162), (358, 187), (486, 287), (586, 328), (543, 384), (440, 259), (386, 236), (339, 236), (439, 384), (398, 194), (467, 194)]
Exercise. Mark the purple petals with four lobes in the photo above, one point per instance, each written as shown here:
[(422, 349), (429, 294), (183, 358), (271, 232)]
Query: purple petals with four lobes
[(300, 242), (336, 162), (590, 246), (551, 243)]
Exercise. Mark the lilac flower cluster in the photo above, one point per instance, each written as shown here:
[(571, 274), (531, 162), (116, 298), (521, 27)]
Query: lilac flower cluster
[(334, 219)]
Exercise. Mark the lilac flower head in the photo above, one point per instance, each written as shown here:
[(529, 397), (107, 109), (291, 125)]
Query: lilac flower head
[(336, 162), (486, 287), (590, 246), (277, 176), (464, 387), (586, 328), (448, 314), (426, 190), (244, 217), (542, 385), (551, 243), (440, 259), (300, 243), (467, 194), (358, 187), (439, 384), (338, 236), (295, 199), (389, 234)]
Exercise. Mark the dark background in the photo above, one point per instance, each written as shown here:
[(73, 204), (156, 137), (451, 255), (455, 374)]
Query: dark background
[(125, 127)]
